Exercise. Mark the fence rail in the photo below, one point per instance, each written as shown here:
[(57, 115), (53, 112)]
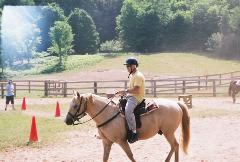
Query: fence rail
[(212, 85)]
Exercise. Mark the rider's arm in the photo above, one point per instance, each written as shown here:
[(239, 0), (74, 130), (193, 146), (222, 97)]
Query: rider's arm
[(134, 90)]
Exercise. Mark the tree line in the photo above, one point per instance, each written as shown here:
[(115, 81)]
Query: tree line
[(80, 27)]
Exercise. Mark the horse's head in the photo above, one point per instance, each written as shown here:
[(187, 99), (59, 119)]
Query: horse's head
[(77, 110)]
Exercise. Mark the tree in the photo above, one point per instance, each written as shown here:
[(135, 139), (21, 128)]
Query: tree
[(205, 22), (16, 2), (103, 13), (51, 13), (177, 32), (86, 39), (141, 24), (1, 56), (104, 16), (61, 38)]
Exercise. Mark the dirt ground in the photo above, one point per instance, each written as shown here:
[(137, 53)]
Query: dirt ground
[(213, 139)]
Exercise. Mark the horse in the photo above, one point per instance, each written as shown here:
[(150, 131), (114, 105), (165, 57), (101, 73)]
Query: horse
[(233, 89), (112, 126)]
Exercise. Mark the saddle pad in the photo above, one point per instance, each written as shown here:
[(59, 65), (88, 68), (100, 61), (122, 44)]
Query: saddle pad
[(238, 82)]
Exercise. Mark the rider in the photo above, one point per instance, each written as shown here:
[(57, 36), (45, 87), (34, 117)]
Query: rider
[(135, 95)]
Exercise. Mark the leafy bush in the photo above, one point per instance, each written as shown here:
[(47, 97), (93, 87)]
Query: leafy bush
[(111, 46), (214, 42)]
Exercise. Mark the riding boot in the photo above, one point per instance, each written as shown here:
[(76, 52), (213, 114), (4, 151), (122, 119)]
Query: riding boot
[(133, 137)]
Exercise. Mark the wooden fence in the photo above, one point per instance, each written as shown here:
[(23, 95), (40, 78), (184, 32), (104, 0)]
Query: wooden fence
[(209, 85)]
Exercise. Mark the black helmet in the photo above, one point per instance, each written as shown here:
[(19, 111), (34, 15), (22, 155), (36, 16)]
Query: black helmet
[(131, 61)]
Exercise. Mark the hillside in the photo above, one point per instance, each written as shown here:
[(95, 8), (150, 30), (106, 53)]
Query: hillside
[(99, 67)]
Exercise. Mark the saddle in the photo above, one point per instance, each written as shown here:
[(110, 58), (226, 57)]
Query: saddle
[(139, 110)]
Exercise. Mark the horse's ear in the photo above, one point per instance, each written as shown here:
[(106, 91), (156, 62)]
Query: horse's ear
[(91, 99), (78, 95), (74, 93)]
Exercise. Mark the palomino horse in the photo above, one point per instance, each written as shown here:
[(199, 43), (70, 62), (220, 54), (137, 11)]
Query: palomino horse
[(112, 125), (233, 89)]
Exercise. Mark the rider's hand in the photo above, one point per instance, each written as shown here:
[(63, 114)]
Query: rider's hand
[(122, 92)]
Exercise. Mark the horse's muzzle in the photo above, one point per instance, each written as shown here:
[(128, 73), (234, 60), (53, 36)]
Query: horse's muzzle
[(68, 120)]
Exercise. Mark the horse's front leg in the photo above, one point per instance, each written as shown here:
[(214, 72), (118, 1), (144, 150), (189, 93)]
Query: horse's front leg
[(107, 147), (127, 150)]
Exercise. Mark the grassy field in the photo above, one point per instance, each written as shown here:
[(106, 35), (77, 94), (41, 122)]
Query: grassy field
[(15, 129), (172, 64), (15, 126), (175, 64)]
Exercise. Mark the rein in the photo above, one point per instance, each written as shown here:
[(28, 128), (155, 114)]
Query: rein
[(76, 117)]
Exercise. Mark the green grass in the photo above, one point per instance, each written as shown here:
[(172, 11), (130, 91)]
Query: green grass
[(32, 94), (49, 108), (172, 64), (15, 128), (175, 64), (44, 65), (82, 62)]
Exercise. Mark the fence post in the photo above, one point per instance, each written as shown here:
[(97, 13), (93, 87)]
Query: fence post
[(29, 86), (184, 88), (154, 88), (125, 84), (199, 83), (175, 85), (206, 82), (65, 89), (15, 89), (220, 77), (214, 88), (45, 88), (95, 87), (2, 90)]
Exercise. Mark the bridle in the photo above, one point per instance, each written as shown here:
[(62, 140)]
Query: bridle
[(76, 117)]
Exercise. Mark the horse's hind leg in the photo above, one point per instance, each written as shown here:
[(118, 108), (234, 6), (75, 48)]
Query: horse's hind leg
[(174, 147), (127, 150), (234, 96), (107, 147)]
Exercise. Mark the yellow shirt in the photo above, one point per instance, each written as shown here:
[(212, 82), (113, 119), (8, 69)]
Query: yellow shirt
[(137, 79)]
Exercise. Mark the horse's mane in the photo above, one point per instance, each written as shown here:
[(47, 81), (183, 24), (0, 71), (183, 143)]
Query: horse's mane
[(99, 98)]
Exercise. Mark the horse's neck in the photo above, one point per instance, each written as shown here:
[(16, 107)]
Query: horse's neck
[(103, 109)]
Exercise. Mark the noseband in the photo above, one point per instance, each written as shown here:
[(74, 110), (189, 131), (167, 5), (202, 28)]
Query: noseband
[(75, 117)]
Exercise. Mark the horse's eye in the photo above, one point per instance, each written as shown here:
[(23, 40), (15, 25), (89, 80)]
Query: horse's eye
[(75, 106)]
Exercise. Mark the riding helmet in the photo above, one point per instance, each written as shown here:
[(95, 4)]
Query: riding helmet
[(131, 61)]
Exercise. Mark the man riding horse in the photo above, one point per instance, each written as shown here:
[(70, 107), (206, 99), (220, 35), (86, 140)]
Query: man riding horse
[(135, 95)]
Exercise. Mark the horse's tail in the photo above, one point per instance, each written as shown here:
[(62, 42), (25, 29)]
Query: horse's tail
[(230, 88), (185, 127)]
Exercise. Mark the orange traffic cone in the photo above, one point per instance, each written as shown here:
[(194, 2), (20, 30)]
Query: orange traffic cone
[(24, 104), (33, 134), (57, 112)]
